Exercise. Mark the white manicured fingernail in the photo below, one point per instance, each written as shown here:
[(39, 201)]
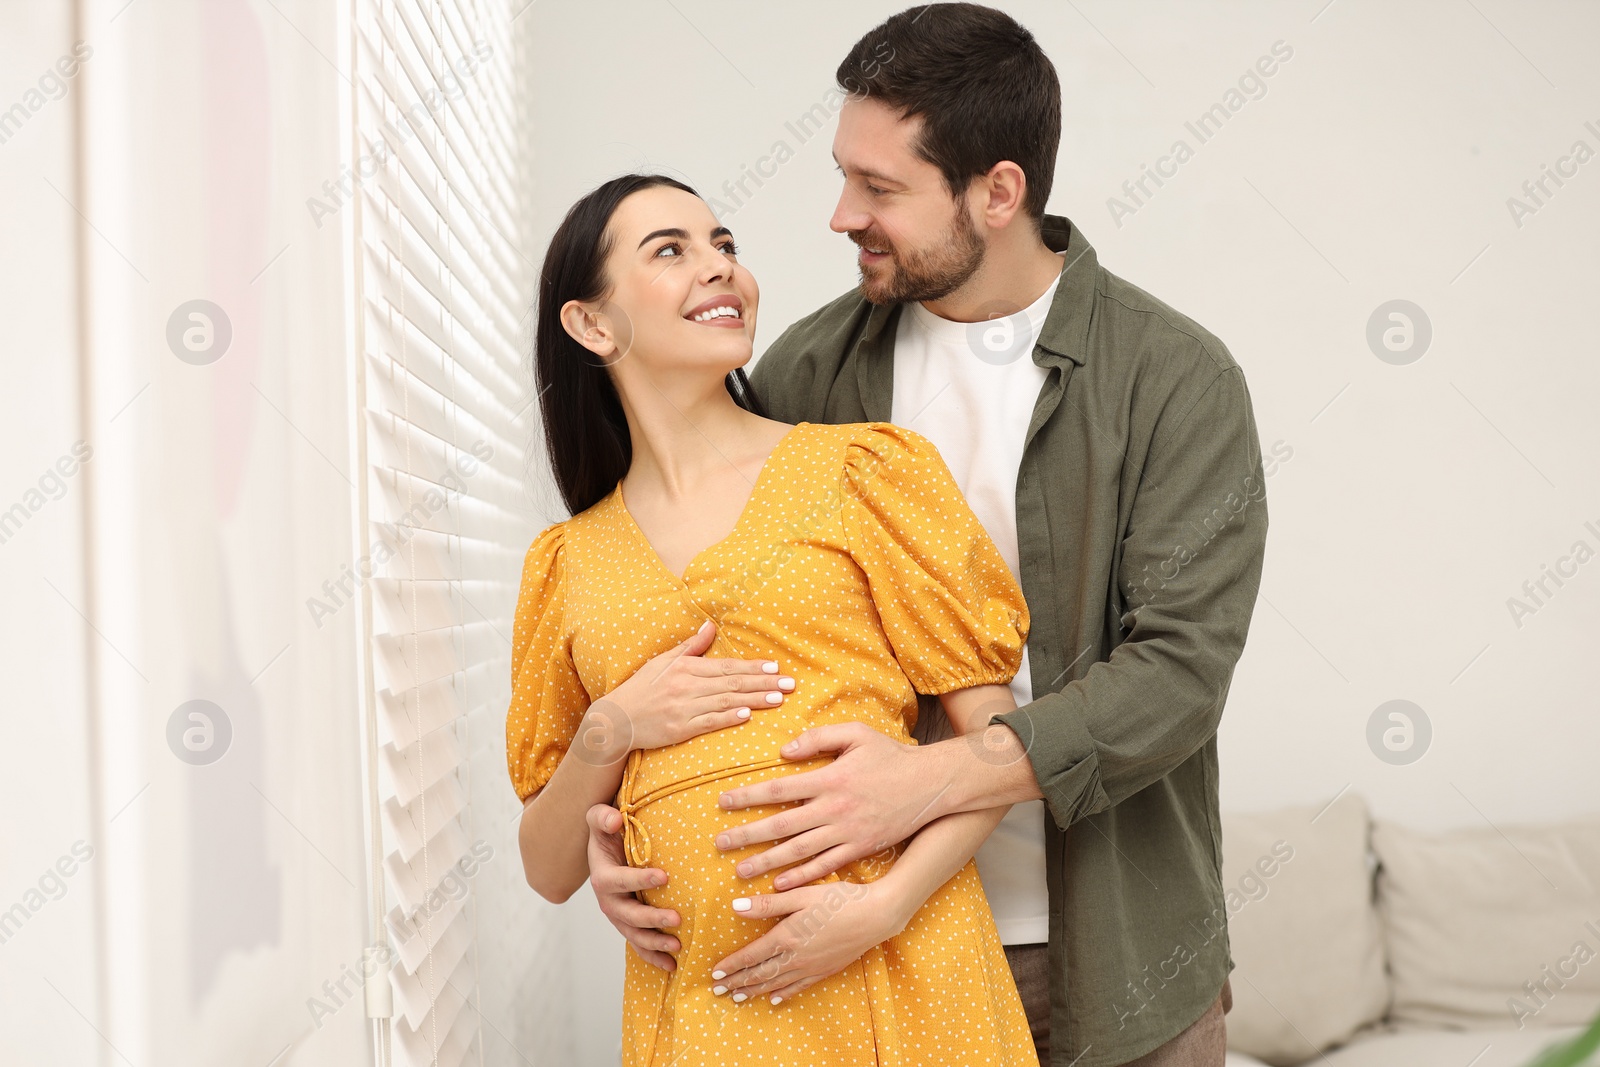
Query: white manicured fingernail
[(743, 713), (770, 667), (719, 975), (774, 698), (785, 683), (776, 999), (740, 998), (741, 904), (719, 989)]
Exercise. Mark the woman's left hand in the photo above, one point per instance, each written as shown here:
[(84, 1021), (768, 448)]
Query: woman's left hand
[(824, 929)]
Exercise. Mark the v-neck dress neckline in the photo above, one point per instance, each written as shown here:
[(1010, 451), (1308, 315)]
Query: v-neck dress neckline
[(745, 515)]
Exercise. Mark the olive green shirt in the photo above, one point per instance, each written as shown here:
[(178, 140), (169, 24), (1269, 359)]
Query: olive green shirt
[(1141, 527)]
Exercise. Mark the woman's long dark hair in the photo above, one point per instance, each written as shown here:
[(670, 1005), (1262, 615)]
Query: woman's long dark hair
[(585, 431)]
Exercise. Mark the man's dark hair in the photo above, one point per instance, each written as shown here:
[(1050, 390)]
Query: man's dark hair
[(984, 88)]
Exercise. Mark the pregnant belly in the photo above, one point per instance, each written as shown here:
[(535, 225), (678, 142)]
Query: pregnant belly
[(702, 881)]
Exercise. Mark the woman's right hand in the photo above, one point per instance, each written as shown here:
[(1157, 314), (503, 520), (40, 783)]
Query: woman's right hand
[(680, 694)]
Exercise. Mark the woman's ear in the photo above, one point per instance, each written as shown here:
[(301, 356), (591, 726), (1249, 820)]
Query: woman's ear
[(590, 327)]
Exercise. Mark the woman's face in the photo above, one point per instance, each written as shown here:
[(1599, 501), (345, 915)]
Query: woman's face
[(671, 263)]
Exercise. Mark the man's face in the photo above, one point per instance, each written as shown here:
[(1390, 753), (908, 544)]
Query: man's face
[(896, 203)]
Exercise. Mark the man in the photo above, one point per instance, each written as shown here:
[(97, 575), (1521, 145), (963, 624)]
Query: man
[(1108, 445)]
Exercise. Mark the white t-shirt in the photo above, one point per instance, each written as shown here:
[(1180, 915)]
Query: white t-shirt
[(970, 389)]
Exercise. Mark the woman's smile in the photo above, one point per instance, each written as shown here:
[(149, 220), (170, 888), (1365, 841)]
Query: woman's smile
[(724, 312)]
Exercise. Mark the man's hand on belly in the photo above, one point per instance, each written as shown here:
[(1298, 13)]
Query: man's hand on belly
[(615, 883), (877, 792)]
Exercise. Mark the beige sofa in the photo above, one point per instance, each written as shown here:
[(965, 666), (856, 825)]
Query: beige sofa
[(1360, 943)]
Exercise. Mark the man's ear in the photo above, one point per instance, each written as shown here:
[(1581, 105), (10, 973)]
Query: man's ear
[(1005, 186), (602, 329)]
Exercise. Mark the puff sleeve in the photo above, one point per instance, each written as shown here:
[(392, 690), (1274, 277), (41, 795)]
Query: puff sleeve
[(951, 609), (548, 700)]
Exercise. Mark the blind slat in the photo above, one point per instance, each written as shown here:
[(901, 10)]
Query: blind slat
[(439, 309)]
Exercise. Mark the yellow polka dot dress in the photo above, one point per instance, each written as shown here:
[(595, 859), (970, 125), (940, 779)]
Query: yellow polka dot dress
[(859, 567)]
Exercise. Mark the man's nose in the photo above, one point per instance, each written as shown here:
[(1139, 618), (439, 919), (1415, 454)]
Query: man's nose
[(847, 214)]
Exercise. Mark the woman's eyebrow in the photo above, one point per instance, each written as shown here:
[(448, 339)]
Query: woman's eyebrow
[(682, 235)]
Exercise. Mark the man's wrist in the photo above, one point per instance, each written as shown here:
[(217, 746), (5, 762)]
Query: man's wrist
[(947, 762), (986, 768)]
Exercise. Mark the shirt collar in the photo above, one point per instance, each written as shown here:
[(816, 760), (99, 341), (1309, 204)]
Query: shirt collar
[(1066, 328)]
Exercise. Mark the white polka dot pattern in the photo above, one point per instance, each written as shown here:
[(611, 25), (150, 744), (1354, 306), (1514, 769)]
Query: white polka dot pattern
[(859, 567)]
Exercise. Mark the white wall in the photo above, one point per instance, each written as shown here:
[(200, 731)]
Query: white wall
[(1376, 166)]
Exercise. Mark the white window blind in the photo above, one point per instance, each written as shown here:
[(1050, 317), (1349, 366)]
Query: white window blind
[(439, 288)]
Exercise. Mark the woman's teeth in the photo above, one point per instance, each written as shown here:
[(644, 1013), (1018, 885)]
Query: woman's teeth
[(722, 312)]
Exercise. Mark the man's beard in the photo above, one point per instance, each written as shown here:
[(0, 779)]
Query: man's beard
[(925, 275)]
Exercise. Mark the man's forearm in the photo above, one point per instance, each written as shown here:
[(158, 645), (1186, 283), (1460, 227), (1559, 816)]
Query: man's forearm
[(985, 769)]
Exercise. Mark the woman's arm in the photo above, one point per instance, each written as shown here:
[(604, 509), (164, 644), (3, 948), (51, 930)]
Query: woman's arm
[(940, 849), (554, 834)]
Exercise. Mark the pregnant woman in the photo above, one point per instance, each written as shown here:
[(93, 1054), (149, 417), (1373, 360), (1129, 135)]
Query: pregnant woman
[(844, 574)]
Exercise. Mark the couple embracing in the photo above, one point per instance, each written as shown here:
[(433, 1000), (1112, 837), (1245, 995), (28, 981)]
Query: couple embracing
[(876, 693)]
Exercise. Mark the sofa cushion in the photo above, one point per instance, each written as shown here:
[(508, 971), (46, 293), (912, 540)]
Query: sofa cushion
[(1441, 1048), (1301, 928), (1492, 927), (1239, 1059)]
